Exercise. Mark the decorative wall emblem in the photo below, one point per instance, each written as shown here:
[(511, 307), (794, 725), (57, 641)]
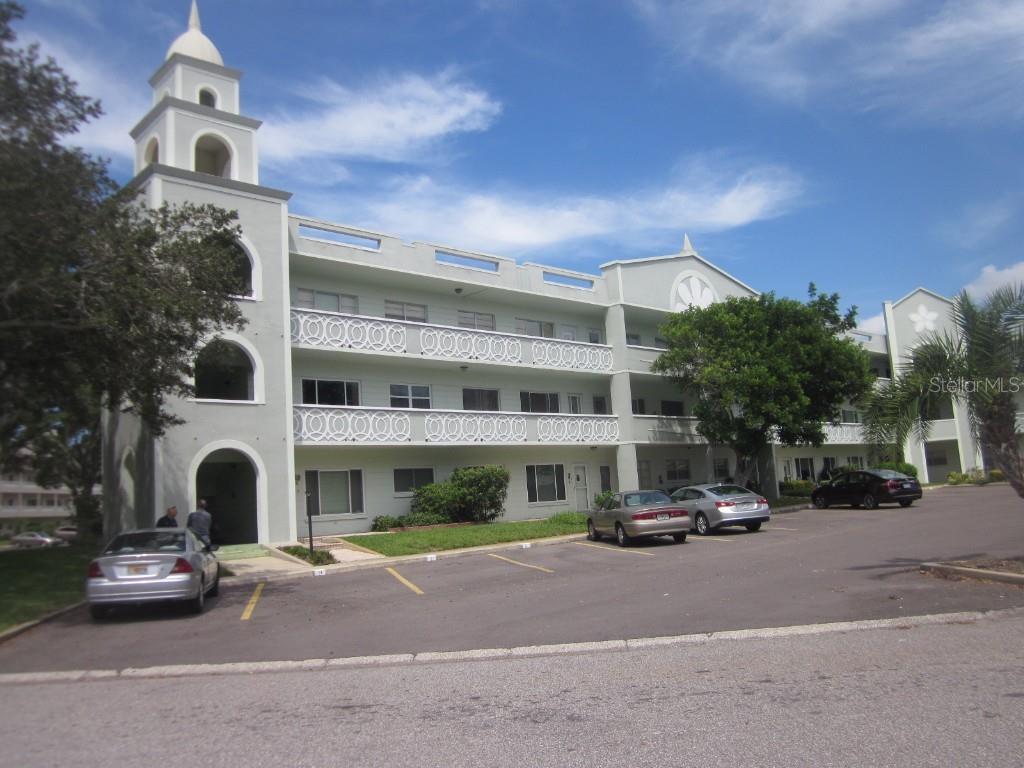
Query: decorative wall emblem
[(691, 290), (924, 319)]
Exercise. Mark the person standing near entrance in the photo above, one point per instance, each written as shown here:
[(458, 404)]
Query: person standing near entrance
[(169, 520), (200, 522)]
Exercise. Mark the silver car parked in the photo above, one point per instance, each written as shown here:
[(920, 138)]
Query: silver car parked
[(717, 505), (36, 539), (151, 565), (637, 514)]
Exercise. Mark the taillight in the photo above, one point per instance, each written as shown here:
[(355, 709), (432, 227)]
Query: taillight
[(721, 504), (94, 571), (894, 484), (762, 501), (181, 565), (654, 515)]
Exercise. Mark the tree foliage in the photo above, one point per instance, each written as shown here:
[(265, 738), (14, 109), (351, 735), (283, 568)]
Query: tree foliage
[(764, 369), (980, 365), (101, 298)]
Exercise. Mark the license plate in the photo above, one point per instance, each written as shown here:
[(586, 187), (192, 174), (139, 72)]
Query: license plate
[(137, 570), (908, 485), (748, 505), (663, 516)]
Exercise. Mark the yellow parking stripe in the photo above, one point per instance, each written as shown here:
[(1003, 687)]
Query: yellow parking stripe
[(404, 580), (525, 565), (614, 549), (251, 606)]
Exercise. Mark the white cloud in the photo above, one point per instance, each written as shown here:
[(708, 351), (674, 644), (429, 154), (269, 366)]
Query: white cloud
[(873, 324), (992, 277), (698, 199), (387, 120), (946, 60), (979, 223)]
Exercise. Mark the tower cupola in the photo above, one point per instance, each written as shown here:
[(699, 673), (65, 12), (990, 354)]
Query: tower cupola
[(194, 43)]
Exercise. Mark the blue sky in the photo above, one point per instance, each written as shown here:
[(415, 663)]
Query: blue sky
[(870, 146)]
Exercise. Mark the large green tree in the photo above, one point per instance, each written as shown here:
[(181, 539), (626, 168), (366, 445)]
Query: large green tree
[(102, 300), (765, 369), (980, 364)]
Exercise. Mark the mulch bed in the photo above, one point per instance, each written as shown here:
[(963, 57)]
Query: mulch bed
[(1013, 565)]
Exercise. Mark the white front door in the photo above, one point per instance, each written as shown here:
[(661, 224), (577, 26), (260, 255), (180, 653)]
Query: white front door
[(579, 479)]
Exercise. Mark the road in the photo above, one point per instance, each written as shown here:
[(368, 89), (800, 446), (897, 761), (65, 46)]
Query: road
[(927, 696), (806, 567)]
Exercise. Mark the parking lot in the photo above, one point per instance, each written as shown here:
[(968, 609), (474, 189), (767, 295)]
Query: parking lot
[(805, 567)]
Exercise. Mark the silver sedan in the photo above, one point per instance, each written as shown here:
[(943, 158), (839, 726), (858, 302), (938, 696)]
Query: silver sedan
[(717, 505), (637, 514), (152, 565), (36, 539)]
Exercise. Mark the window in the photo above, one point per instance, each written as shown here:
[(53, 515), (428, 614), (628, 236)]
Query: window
[(30, 500), (638, 405), (10, 499), (660, 343), (213, 157), (568, 332), (643, 472), (594, 335), (480, 399), (223, 372), (539, 402), (335, 492), (934, 456), (153, 151), (851, 417), (787, 469), (606, 478), (326, 301), (535, 328), (403, 310), (410, 396), (856, 461), (805, 469), (600, 404), (545, 482), (721, 468), (671, 407), (207, 98), (677, 470), (481, 321), (575, 403), (49, 500), (329, 392), (633, 339), (408, 480)]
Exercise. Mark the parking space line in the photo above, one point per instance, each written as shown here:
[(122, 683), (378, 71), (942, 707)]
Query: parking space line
[(251, 605), (525, 565), (708, 538), (404, 580), (779, 528), (614, 549)]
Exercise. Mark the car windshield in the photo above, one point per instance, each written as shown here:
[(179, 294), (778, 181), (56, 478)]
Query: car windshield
[(146, 541), (890, 474), (646, 498), (729, 490)]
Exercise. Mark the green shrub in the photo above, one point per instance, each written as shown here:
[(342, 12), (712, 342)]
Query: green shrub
[(898, 466), (602, 497), (569, 518), (423, 517), (956, 478), (800, 488), (482, 492), (438, 502), (996, 475), (319, 557), (385, 523)]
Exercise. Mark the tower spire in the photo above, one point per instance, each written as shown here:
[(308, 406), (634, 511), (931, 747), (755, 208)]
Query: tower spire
[(687, 247), (193, 17)]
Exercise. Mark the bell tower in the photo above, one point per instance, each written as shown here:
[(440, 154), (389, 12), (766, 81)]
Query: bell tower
[(195, 122)]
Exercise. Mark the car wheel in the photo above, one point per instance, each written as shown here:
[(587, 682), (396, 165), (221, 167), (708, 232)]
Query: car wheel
[(703, 526), (906, 502), (821, 502), (754, 527), (869, 501), (99, 612), (197, 603), (592, 533), (679, 538), (621, 537)]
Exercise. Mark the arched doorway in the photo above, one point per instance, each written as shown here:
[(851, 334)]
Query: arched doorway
[(227, 480)]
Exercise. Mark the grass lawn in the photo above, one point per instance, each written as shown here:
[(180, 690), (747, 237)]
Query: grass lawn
[(34, 582), (438, 539), (791, 501)]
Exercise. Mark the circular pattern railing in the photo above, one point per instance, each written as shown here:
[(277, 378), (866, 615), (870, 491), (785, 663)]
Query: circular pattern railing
[(339, 332), (342, 425), (580, 357), (469, 345), (568, 429), (474, 428)]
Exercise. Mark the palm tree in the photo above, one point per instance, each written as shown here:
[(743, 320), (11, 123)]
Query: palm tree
[(979, 365)]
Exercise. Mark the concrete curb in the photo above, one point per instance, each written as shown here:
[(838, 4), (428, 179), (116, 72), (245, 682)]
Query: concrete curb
[(486, 654), (979, 574), (16, 630)]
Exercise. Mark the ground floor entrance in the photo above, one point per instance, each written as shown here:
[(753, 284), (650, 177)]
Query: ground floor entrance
[(227, 480)]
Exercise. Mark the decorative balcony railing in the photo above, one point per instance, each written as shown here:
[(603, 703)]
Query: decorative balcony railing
[(332, 425), (335, 330), (844, 433)]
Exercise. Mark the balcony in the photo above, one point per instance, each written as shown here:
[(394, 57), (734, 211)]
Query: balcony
[(844, 434), (333, 330), (345, 425), (641, 358), (666, 429)]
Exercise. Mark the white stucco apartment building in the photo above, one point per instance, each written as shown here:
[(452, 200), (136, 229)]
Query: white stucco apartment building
[(371, 365)]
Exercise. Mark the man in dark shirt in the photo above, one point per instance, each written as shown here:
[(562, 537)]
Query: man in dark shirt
[(169, 520), (200, 522)]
